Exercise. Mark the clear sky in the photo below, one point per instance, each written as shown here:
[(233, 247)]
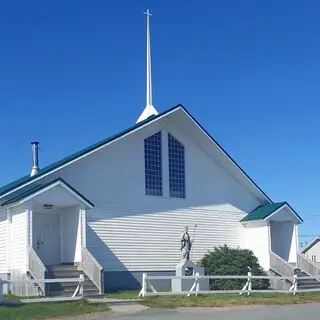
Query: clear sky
[(73, 72)]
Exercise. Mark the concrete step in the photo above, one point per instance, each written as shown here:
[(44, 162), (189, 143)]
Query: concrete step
[(309, 286), (62, 266), (87, 284), (66, 289), (308, 281), (69, 293)]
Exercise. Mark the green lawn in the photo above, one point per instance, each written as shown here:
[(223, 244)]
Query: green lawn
[(226, 300), (219, 300), (45, 310), (126, 294)]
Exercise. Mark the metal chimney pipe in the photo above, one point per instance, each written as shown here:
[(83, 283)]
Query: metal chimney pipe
[(35, 157)]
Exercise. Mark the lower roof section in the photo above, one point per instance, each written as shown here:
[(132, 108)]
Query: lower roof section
[(265, 211)]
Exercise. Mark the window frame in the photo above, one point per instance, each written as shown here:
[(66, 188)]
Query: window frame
[(147, 189), (184, 168)]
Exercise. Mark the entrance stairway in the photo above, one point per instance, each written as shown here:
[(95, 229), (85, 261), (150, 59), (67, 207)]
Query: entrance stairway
[(306, 283), (68, 288), (303, 268)]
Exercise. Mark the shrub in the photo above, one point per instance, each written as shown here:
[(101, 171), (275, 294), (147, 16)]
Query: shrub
[(228, 261)]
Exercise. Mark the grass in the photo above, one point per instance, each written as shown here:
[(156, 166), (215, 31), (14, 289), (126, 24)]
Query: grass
[(227, 300), (126, 294), (36, 311), (219, 300)]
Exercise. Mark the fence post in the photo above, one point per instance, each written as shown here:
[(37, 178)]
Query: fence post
[(197, 283), (1, 290), (295, 284), (249, 282), (81, 284), (144, 285)]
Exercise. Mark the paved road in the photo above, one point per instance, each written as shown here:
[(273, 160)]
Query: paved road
[(295, 312)]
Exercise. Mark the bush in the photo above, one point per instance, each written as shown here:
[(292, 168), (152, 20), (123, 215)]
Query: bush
[(227, 261)]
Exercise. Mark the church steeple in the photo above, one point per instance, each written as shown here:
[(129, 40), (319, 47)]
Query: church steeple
[(149, 109)]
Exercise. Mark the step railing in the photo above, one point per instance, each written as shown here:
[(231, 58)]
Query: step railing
[(308, 266), (91, 267), (36, 268), (281, 266)]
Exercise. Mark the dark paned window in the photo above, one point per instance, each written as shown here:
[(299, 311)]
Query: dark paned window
[(153, 165), (176, 168)]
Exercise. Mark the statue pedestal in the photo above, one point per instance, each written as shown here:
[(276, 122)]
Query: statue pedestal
[(185, 268)]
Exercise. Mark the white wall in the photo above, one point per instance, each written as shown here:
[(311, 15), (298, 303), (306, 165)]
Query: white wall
[(3, 241), (257, 240), (17, 249), (70, 235), (314, 251), (18, 238), (128, 230), (283, 240)]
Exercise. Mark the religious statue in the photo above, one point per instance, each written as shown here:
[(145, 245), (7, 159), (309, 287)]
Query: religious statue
[(185, 244)]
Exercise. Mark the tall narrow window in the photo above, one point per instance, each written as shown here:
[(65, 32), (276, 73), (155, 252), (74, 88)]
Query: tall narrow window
[(153, 165), (176, 168)]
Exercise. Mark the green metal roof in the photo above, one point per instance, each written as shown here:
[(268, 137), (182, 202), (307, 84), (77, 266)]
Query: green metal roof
[(27, 191), (264, 211), (45, 170)]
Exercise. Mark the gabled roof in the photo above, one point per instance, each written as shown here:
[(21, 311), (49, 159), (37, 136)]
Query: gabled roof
[(264, 211), (12, 187), (310, 245), (28, 191)]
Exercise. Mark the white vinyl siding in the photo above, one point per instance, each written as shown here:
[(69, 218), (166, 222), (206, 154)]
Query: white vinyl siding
[(257, 240), (3, 241), (314, 253), (129, 230), (18, 238), (143, 240)]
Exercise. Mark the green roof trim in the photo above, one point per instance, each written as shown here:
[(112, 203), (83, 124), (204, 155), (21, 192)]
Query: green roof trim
[(55, 165), (22, 194), (264, 211), (26, 179)]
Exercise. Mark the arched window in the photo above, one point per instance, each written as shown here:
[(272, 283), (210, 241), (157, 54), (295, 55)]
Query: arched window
[(177, 186), (153, 165)]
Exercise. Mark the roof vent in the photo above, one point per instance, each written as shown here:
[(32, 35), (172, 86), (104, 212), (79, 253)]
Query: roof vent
[(35, 156)]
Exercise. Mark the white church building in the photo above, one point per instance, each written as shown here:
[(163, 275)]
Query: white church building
[(117, 208)]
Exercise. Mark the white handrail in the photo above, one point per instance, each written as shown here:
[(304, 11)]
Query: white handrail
[(91, 267), (281, 266), (308, 266), (36, 268)]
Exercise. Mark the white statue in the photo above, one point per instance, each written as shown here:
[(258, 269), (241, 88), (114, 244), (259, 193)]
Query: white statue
[(186, 244)]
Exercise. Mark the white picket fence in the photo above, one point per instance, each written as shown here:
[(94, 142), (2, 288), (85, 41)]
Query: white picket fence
[(78, 293), (148, 288)]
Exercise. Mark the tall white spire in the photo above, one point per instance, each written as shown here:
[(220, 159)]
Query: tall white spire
[(149, 109)]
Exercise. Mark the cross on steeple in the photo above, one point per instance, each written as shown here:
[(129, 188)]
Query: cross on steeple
[(147, 13), (149, 109)]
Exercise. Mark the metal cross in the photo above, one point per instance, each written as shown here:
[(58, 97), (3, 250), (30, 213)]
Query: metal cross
[(148, 13)]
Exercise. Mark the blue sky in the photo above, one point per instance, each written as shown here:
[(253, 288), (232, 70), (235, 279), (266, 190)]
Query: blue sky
[(73, 72)]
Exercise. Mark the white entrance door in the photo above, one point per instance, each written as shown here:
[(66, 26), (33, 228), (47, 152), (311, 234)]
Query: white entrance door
[(46, 237)]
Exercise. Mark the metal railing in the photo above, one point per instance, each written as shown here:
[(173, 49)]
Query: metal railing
[(91, 267), (281, 266), (308, 266), (36, 268), (78, 293), (148, 288)]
